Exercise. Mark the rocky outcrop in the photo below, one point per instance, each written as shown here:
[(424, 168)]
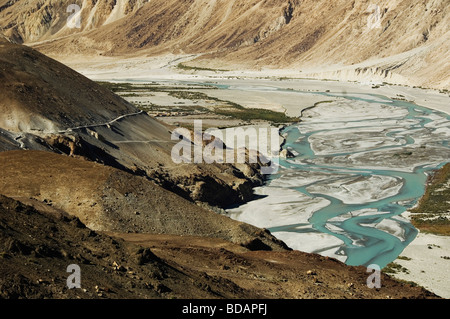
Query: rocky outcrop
[(67, 144), (211, 190)]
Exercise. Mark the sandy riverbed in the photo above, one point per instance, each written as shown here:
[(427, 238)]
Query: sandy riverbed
[(164, 68), (426, 265)]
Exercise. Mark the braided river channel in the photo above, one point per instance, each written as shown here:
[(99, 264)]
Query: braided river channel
[(358, 164)]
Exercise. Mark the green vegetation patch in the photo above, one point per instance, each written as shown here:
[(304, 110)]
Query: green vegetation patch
[(182, 66), (249, 114), (127, 87), (222, 107), (189, 95), (431, 214), (403, 258), (394, 268)]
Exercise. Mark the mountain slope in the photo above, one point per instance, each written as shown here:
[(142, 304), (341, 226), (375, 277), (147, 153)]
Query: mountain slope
[(39, 94), (47, 106), (107, 199), (48, 19), (397, 41), (37, 246)]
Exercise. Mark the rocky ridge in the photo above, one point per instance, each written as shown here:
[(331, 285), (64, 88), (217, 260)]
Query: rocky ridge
[(397, 41)]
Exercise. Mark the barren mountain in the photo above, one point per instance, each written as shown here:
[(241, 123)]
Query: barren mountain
[(28, 20), (396, 41), (47, 106), (41, 94)]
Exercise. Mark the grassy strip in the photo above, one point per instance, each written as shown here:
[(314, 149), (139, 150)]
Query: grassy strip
[(188, 95), (235, 110), (433, 204), (393, 268), (181, 66), (226, 108), (127, 87), (248, 114), (146, 87)]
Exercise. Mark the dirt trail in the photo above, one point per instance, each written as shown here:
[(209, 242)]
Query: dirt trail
[(70, 129)]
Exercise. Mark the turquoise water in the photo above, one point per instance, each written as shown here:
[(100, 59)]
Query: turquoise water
[(362, 243), (374, 246)]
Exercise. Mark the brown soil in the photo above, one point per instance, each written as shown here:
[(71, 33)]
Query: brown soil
[(107, 199), (37, 246)]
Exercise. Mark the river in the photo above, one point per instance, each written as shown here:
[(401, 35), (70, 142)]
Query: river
[(359, 163)]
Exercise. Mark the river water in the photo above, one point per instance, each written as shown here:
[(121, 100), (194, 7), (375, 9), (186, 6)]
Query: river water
[(359, 163)]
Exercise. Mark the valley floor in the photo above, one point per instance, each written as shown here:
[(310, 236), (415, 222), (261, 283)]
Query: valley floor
[(166, 68), (426, 258)]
